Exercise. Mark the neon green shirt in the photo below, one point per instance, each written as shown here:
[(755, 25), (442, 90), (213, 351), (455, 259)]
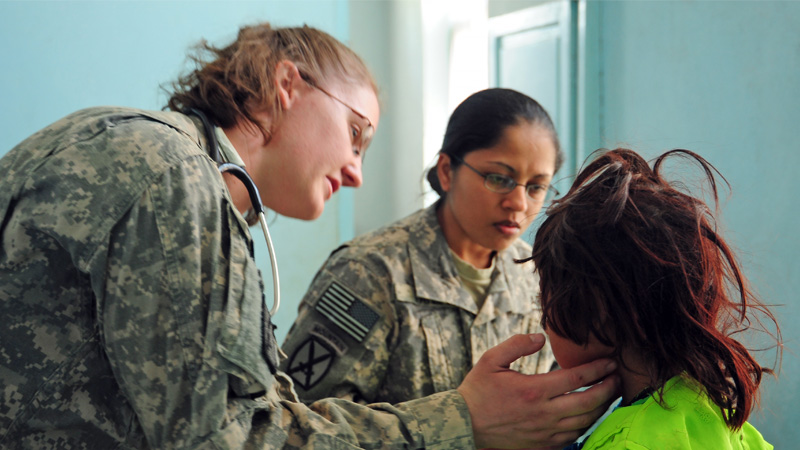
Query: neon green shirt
[(691, 421)]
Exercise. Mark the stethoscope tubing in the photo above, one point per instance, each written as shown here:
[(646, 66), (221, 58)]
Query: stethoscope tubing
[(273, 262), (255, 200)]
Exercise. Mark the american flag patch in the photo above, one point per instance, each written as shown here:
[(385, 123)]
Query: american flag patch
[(347, 312)]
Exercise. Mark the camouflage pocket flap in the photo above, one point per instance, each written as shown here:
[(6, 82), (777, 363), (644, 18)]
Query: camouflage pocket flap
[(440, 364), (246, 334)]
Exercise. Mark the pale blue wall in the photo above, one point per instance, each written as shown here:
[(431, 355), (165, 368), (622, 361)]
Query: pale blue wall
[(723, 79), (61, 56)]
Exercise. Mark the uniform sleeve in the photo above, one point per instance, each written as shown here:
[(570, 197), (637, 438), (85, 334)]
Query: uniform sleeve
[(181, 314), (340, 343), (440, 421)]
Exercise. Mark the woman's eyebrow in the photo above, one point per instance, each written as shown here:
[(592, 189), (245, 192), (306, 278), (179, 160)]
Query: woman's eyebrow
[(504, 166), (514, 171)]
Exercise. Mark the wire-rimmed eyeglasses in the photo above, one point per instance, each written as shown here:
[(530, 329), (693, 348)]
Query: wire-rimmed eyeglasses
[(362, 136), (503, 184)]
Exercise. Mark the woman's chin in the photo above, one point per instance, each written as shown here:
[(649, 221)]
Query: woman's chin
[(314, 211), (310, 211)]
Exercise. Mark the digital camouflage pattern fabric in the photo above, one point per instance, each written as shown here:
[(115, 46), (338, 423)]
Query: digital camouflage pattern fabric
[(428, 333), (133, 310)]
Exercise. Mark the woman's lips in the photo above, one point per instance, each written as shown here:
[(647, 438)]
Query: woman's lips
[(507, 227), (334, 183)]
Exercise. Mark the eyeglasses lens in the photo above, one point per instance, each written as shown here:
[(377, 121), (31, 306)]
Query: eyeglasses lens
[(366, 137), (500, 184), (537, 191)]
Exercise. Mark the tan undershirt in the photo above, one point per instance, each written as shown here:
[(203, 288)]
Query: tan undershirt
[(475, 280)]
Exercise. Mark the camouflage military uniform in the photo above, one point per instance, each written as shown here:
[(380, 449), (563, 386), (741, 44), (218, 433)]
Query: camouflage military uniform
[(133, 313), (387, 318)]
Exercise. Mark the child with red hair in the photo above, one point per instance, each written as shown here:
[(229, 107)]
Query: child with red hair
[(634, 269)]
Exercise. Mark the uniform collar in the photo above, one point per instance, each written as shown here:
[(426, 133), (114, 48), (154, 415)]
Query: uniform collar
[(436, 277), (227, 151), (435, 274)]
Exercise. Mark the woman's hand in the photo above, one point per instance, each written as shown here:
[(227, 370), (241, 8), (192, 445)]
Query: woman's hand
[(512, 410)]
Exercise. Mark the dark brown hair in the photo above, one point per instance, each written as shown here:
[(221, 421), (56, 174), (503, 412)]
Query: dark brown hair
[(231, 83), (641, 265), (481, 119)]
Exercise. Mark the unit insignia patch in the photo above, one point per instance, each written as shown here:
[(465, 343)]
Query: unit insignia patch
[(310, 362)]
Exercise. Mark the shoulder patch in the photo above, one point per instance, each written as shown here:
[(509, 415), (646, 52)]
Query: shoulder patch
[(310, 363), (347, 312), (329, 337)]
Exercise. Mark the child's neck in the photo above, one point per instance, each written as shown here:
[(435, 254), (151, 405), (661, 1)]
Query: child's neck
[(633, 380), (631, 390)]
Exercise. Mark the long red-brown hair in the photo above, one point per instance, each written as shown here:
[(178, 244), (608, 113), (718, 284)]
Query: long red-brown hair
[(642, 266)]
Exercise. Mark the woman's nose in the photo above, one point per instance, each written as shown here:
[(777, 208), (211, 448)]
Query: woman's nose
[(517, 199), (351, 174)]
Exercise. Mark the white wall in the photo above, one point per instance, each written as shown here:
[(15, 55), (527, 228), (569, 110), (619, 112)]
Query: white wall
[(409, 45), (388, 36)]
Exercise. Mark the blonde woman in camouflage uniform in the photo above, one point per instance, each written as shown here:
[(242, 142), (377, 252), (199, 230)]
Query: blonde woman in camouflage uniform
[(406, 311), (133, 309)]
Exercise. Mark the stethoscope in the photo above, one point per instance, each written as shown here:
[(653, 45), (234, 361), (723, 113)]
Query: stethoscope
[(255, 199)]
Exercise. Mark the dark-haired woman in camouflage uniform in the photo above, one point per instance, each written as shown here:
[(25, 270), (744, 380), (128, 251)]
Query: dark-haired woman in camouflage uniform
[(437, 289)]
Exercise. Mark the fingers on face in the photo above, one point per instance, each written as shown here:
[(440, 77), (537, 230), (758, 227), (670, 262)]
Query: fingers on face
[(586, 375), (588, 404)]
